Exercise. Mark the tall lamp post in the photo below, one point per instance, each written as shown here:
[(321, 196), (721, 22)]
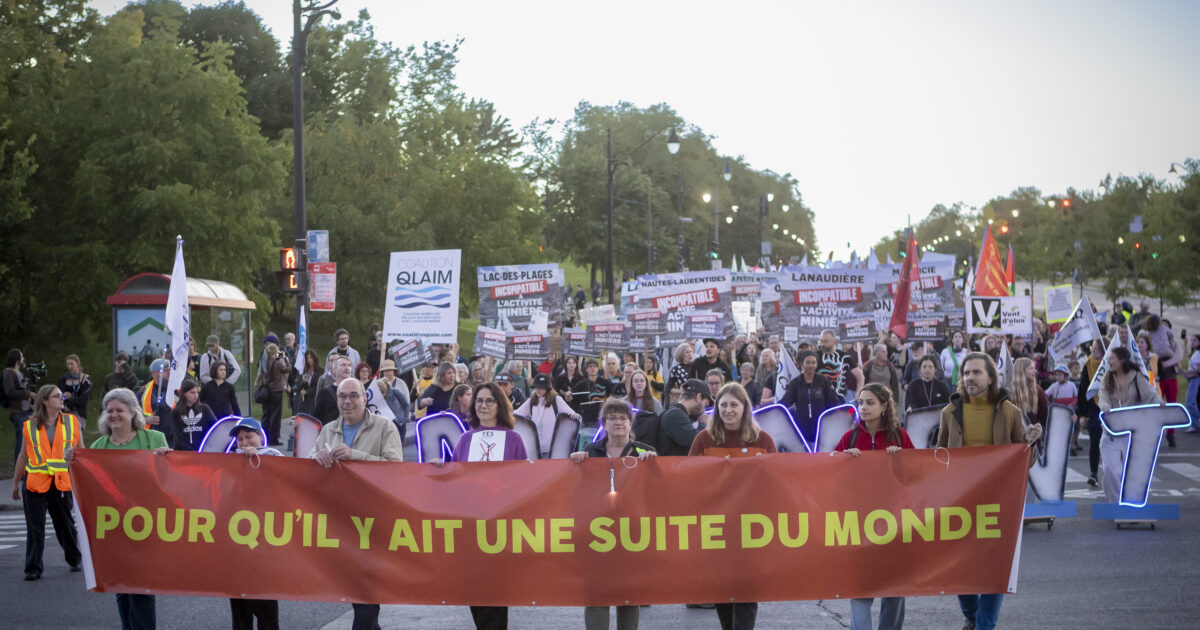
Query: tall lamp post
[(612, 164), (726, 174), (315, 11)]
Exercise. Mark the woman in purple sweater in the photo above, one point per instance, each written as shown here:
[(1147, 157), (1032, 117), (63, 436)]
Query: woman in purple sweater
[(491, 439)]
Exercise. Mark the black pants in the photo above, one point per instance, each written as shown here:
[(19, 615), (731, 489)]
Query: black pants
[(739, 616), (59, 504), (1094, 433), (246, 610), (490, 617), (366, 617), (136, 611), (271, 413)]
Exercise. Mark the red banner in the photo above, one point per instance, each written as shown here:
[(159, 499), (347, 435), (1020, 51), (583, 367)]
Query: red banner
[(676, 529)]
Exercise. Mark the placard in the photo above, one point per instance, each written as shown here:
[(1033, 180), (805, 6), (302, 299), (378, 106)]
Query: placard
[(813, 299), (704, 325), (422, 296), (518, 292), (528, 346), (683, 292), (1060, 302), (609, 336), (1011, 315), (575, 343), (410, 355), (490, 342)]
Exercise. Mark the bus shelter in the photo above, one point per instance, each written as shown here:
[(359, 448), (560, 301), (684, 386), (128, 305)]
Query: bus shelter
[(139, 309)]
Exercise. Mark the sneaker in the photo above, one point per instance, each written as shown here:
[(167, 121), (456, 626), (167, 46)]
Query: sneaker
[(1092, 481), (76, 568), (1191, 430), (968, 625), (33, 575)]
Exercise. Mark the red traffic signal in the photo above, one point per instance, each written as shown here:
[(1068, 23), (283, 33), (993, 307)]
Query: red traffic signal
[(1066, 203), (288, 260), (1004, 229)]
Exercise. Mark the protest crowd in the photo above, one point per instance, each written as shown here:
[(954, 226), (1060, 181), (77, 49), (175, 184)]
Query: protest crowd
[(696, 397)]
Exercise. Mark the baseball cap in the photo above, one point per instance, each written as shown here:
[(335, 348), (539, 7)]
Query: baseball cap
[(212, 339), (708, 340), (541, 380), (694, 386), (246, 423), (503, 377), (159, 365)]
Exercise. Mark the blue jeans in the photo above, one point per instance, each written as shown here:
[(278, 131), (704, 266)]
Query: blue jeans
[(18, 419), (983, 609), (1193, 405)]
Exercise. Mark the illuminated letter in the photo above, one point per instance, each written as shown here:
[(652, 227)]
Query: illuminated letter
[(1142, 426)]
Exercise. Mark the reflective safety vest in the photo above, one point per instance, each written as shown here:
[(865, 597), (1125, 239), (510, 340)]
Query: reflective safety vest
[(45, 460), (148, 406)]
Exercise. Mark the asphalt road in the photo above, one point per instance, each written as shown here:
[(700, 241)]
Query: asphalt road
[(1081, 574)]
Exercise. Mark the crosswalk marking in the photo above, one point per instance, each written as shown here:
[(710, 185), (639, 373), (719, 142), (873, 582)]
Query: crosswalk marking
[(1074, 477), (1191, 471)]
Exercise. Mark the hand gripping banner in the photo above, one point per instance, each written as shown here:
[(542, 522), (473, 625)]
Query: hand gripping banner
[(553, 532)]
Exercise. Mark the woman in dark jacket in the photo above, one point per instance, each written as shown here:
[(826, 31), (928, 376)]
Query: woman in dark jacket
[(219, 394), (809, 395), (190, 417)]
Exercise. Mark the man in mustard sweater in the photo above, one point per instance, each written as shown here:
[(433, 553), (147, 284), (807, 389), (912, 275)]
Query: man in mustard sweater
[(980, 414)]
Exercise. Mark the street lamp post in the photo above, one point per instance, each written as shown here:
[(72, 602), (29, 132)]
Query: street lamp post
[(612, 164), (299, 43)]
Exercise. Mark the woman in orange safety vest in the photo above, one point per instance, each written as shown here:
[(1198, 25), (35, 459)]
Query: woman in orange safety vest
[(47, 434)]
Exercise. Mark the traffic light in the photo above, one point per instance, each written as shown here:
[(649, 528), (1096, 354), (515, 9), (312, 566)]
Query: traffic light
[(1066, 203), (713, 247), (291, 277), (1137, 244), (1004, 229)]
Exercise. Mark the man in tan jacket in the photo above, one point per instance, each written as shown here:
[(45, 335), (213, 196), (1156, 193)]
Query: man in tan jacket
[(980, 414), (358, 435)]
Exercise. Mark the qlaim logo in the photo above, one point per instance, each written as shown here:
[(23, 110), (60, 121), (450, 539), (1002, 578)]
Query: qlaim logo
[(431, 296)]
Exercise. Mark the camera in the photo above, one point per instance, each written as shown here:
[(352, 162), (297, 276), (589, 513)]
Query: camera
[(35, 372)]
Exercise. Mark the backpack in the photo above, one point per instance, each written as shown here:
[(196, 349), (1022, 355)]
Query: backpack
[(646, 428)]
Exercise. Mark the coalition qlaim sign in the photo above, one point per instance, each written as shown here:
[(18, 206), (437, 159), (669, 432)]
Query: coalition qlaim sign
[(422, 296)]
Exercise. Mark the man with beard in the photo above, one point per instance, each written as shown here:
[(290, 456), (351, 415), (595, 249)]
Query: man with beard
[(837, 366)]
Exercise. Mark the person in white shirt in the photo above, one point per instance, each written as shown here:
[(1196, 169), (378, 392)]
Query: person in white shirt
[(543, 408), (217, 353)]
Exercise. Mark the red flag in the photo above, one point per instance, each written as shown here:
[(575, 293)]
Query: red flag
[(989, 275), (910, 274), (1009, 273)]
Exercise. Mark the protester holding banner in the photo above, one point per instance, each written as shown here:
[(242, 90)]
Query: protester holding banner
[(357, 435), (1088, 409), (979, 414), (250, 438), (123, 427), (1026, 394), (436, 397), (617, 443), (543, 408), (639, 394), (684, 353), (878, 428), (927, 391), (490, 439), (190, 419), (733, 433), (1124, 386), (809, 395)]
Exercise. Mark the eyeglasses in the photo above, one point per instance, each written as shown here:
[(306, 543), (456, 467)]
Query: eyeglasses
[(484, 402), (55, 396), (350, 396)]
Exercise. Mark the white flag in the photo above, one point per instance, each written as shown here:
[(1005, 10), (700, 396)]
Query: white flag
[(787, 372), (1004, 366), (1080, 328), (872, 260), (375, 402), (301, 341), (178, 324), (1098, 379)]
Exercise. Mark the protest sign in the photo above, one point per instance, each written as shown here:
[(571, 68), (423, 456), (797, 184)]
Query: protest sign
[(410, 355), (551, 531), (1058, 303), (1000, 315), (936, 295), (575, 343), (609, 336), (422, 296), (704, 325), (518, 293), (813, 299), (1080, 327), (648, 322), (528, 346), (491, 342), (680, 293)]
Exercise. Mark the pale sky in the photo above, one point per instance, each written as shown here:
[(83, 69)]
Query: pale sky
[(880, 110)]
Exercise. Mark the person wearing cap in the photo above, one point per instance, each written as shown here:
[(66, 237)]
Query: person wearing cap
[(543, 408), (250, 439), (1062, 391), (217, 353), (395, 395), (516, 397), (153, 397), (679, 423), (357, 435), (711, 360)]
